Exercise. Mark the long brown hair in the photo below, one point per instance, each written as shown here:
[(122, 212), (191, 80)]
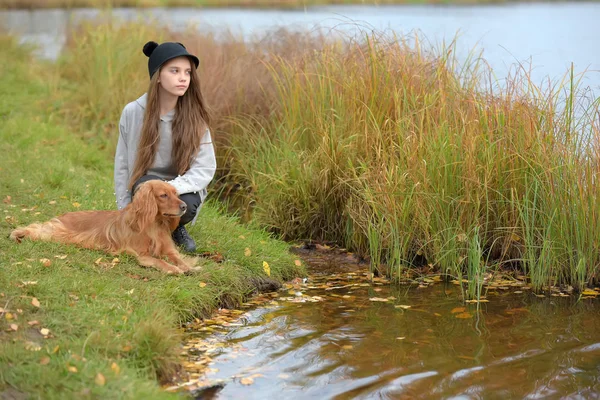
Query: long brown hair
[(188, 127)]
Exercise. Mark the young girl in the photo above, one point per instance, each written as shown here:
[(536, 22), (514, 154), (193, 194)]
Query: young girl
[(164, 135)]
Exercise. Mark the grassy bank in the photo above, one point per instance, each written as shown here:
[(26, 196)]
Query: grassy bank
[(395, 152), (76, 323), (292, 4)]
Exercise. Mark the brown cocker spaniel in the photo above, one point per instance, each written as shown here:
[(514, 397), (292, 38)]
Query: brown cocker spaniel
[(142, 229)]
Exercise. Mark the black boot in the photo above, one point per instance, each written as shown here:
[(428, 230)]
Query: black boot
[(182, 238)]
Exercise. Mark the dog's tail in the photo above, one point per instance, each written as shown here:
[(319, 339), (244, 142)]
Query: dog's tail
[(43, 231)]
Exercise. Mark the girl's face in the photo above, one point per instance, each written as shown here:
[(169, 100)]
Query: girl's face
[(175, 76)]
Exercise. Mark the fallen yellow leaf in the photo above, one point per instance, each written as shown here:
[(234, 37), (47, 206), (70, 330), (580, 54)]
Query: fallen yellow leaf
[(72, 369), (457, 310), (76, 204), (45, 262), (247, 252), (116, 369), (266, 268), (202, 284), (298, 263), (45, 331), (246, 381), (45, 360), (35, 302), (589, 292), (14, 327), (100, 379)]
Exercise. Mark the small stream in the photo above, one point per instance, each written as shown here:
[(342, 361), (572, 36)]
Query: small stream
[(342, 335)]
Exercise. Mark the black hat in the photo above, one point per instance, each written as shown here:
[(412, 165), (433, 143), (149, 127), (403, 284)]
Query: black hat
[(159, 54)]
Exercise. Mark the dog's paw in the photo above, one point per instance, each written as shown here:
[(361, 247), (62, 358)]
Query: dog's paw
[(193, 270), (175, 271)]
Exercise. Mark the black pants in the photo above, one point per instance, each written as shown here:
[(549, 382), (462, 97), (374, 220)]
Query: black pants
[(191, 199)]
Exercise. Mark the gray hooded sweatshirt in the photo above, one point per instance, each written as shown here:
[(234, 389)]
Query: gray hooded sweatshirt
[(195, 180)]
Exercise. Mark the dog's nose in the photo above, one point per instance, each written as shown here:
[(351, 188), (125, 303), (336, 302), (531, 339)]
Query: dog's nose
[(183, 207)]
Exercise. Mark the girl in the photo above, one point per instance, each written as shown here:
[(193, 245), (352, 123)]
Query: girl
[(164, 135)]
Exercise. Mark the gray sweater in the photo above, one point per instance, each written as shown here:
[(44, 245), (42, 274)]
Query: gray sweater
[(195, 180)]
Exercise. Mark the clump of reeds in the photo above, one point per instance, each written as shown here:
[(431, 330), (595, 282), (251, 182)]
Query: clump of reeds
[(396, 154)]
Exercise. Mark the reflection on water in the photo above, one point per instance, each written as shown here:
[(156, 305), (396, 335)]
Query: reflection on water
[(543, 37), (346, 346)]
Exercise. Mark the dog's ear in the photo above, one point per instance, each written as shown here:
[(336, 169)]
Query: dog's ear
[(143, 208)]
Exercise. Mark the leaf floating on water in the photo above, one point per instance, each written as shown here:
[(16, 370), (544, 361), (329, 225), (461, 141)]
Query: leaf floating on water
[(402, 306), (247, 381), (457, 310), (477, 301), (378, 299), (464, 315), (590, 292), (401, 338), (348, 347)]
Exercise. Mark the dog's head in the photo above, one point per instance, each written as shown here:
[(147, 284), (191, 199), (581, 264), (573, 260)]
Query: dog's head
[(156, 200)]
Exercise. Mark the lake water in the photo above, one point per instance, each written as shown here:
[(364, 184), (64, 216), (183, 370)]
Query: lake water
[(343, 336), (544, 37)]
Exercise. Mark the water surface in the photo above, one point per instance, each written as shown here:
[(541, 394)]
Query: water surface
[(421, 343), (543, 38)]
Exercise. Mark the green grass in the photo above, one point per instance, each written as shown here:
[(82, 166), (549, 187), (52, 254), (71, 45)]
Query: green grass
[(98, 312)]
